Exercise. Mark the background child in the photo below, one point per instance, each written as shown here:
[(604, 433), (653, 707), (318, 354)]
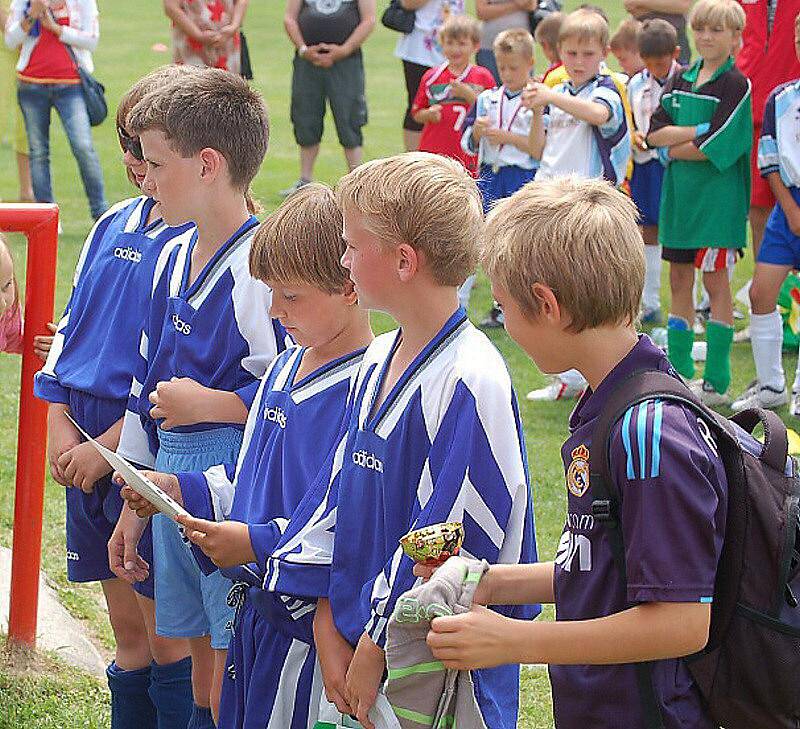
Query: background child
[(546, 36), (779, 163), (10, 312), (657, 44), (447, 92), (434, 432), (550, 251), (207, 340), (580, 127), (625, 48), (293, 423), (705, 122), (88, 375)]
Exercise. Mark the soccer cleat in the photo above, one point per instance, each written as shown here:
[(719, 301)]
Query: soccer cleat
[(757, 396), (289, 191), (708, 395), (651, 316), (493, 320), (794, 404), (556, 390), (743, 335)]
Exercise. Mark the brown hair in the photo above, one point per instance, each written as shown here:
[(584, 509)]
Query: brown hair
[(209, 109), (548, 29), (515, 40), (580, 238), (426, 200), (625, 36), (727, 13), (461, 26), (657, 38), (302, 241), (585, 25)]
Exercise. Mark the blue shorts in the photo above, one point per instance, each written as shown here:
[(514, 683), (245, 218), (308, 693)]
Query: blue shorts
[(646, 190), (505, 182), (780, 246), (91, 518), (189, 603)]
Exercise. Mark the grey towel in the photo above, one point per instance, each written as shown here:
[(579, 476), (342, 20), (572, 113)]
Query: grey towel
[(421, 691)]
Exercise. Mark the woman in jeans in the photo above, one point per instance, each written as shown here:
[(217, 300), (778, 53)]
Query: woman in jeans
[(47, 78)]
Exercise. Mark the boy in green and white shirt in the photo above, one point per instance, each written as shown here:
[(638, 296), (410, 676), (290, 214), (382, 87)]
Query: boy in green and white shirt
[(704, 129)]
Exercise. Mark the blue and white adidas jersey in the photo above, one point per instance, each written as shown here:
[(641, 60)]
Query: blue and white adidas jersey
[(215, 330), (573, 146), (95, 349), (291, 429), (644, 96), (504, 111), (779, 144), (445, 445)]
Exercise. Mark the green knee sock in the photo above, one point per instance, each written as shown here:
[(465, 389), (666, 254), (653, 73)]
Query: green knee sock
[(679, 348), (719, 338)]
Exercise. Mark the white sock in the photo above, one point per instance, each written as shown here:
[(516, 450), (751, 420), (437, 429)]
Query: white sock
[(573, 378), (766, 338), (651, 296)]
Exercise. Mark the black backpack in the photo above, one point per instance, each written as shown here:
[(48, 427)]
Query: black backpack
[(749, 672)]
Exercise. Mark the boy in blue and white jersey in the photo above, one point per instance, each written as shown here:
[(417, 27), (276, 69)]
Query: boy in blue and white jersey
[(207, 340), (293, 423), (88, 376), (779, 164), (657, 43), (579, 127), (433, 434)]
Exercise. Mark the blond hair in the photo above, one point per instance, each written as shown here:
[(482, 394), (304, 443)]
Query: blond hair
[(625, 37), (548, 29), (726, 13), (426, 200), (515, 40), (302, 241), (210, 108), (576, 236), (461, 26), (585, 25)]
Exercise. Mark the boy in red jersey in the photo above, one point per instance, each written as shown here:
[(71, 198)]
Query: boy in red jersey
[(448, 91)]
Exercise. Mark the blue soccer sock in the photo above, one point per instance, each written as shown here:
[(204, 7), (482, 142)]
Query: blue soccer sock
[(131, 707), (201, 718), (171, 693)]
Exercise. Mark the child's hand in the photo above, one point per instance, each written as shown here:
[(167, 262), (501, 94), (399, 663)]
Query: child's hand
[(495, 135), (480, 638), (42, 343), (463, 91), (123, 559), (483, 593), (364, 679), (62, 436), (638, 140), (177, 402), (83, 466), (434, 114), (227, 543), (334, 654), (536, 95), (480, 126), (167, 482)]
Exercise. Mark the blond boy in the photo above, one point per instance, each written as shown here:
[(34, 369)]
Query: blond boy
[(550, 251), (433, 433)]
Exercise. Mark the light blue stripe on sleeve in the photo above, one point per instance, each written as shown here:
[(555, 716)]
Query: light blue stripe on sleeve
[(706, 600), (626, 441), (657, 416), (641, 432)]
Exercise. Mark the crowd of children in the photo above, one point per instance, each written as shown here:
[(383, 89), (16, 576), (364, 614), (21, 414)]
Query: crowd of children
[(234, 360)]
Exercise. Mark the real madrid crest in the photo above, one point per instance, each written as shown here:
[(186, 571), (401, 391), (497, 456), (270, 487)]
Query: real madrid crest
[(578, 471)]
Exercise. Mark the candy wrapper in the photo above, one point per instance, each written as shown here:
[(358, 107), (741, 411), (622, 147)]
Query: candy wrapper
[(435, 544)]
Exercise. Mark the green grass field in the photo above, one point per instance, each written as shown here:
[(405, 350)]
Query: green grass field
[(128, 30)]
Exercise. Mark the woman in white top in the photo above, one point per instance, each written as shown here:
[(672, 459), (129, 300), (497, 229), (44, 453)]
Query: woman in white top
[(420, 50), (497, 16)]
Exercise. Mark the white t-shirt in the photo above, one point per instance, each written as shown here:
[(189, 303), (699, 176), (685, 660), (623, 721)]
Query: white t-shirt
[(421, 45), (492, 28)]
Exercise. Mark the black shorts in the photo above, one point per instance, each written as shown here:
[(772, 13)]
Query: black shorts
[(413, 73)]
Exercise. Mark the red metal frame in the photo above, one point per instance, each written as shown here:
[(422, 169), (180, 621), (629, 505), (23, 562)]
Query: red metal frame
[(39, 223)]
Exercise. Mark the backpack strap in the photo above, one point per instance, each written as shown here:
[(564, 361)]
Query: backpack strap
[(776, 438), (641, 386)]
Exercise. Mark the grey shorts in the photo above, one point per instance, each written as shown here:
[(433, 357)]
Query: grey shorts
[(342, 85)]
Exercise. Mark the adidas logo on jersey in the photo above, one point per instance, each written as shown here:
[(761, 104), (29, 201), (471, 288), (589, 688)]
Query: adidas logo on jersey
[(180, 325), (275, 415), (128, 254), (73, 556), (363, 459)]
